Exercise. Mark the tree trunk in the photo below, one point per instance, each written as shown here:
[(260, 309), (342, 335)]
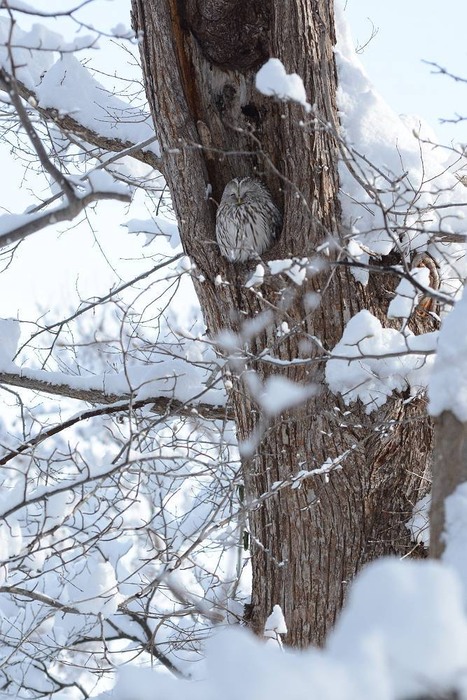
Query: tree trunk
[(200, 58), (449, 472)]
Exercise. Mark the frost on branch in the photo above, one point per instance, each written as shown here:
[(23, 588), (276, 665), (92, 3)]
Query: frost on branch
[(371, 362), (91, 105)]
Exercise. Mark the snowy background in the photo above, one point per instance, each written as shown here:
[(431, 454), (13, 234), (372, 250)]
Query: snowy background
[(404, 631)]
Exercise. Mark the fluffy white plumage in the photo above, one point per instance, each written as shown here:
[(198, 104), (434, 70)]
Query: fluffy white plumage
[(247, 220)]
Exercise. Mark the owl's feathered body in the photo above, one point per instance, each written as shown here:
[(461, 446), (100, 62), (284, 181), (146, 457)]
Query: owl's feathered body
[(247, 220)]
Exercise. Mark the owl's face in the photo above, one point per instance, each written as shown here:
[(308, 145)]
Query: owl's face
[(239, 191)]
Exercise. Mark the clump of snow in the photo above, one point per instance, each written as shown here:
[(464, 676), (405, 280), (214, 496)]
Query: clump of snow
[(412, 612), (257, 278), (102, 181), (92, 105), (403, 634), (32, 50), (275, 626), (455, 533), (311, 301), (272, 79), (278, 266), (157, 226), (277, 393), (122, 31), (140, 683), (94, 589), (405, 301), (371, 362), (172, 377), (57, 507), (184, 264), (360, 254), (297, 269), (275, 621), (447, 389)]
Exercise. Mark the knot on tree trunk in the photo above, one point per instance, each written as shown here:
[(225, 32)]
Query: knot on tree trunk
[(232, 34)]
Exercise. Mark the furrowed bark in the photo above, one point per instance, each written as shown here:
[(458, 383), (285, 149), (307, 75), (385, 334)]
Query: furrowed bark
[(306, 543), (449, 472)]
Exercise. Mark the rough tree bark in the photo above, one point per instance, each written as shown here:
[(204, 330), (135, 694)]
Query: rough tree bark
[(449, 472), (199, 59)]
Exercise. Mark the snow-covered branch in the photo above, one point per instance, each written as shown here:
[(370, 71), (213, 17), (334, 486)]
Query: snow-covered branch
[(142, 149), (90, 389)]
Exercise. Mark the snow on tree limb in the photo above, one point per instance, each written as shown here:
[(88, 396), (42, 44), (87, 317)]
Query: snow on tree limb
[(371, 362), (273, 80), (88, 389), (99, 185), (118, 128)]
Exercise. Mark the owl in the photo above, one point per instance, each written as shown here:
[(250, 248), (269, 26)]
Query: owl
[(247, 220)]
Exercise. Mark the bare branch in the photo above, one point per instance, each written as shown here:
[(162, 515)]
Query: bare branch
[(40, 597), (65, 213), (398, 272), (40, 13), (160, 405), (42, 381), (102, 299), (444, 71)]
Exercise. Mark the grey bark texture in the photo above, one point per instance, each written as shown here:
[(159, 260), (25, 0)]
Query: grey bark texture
[(307, 543), (449, 471)]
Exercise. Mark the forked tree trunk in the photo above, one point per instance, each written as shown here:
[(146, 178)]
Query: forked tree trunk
[(200, 58)]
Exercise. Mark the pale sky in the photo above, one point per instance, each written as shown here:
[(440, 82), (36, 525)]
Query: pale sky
[(408, 33)]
